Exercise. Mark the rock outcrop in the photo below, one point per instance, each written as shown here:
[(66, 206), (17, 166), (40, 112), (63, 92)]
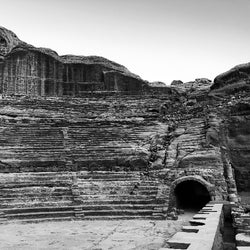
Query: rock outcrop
[(29, 71), (235, 80), (83, 137), (8, 40)]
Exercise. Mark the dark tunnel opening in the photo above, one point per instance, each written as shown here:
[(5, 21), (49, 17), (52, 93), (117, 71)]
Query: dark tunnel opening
[(191, 195)]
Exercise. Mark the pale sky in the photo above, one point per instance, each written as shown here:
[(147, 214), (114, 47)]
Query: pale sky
[(160, 40)]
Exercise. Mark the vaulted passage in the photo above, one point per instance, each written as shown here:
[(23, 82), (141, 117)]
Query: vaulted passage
[(191, 195)]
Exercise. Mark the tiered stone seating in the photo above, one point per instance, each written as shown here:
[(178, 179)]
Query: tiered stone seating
[(48, 147), (70, 195), (24, 146), (36, 195), (97, 129), (99, 142), (110, 195)]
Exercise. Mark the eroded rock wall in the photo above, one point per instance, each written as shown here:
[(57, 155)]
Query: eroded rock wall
[(238, 135), (32, 73), (190, 147), (233, 81), (95, 132), (156, 136), (8, 40)]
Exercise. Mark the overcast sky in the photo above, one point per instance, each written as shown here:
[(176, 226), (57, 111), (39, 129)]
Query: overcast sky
[(160, 40)]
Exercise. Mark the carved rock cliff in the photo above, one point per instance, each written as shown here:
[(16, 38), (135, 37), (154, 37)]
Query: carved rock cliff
[(83, 137), (29, 71)]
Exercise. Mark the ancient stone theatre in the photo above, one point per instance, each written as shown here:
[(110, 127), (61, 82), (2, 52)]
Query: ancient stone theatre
[(82, 137)]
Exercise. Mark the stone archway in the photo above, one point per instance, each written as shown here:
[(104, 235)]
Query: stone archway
[(190, 192)]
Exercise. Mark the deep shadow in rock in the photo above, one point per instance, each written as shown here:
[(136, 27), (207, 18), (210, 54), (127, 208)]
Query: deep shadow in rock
[(191, 195)]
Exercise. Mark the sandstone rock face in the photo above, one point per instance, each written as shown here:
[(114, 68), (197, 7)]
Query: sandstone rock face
[(157, 84), (97, 141), (176, 83), (195, 90), (238, 135), (32, 72), (234, 80), (8, 40), (86, 154), (233, 86), (29, 71)]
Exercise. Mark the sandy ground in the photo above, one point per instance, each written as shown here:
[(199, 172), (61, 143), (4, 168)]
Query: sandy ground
[(89, 235)]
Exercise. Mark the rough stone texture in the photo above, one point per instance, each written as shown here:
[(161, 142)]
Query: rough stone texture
[(239, 144), (102, 142), (8, 40), (105, 156), (27, 70), (33, 72), (231, 90), (112, 145), (243, 239), (233, 81), (157, 84)]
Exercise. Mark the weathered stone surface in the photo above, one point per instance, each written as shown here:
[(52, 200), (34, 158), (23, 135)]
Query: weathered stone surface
[(157, 84), (83, 137), (8, 40), (234, 80), (32, 72), (29, 71), (176, 83), (239, 145), (243, 239)]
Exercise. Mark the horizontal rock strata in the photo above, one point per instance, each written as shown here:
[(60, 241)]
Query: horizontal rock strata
[(84, 138)]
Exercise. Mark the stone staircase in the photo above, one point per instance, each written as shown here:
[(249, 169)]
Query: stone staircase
[(118, 195), (36, 195), (45, 135), (71, 158), (78, 195), (31, 148), (89, 143)]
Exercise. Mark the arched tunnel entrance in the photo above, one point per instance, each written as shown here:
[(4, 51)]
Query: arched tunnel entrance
[(191, 195)]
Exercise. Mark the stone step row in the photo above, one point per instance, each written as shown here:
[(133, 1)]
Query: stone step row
[(61, 150), (77, 135), (98, 175), (15, 193), (31, 194), (63, 184), (86, 200), (52, 214), (49, 131), (48, 181), (106, 134), (93, 207), (138, 185), (35, 203), (70, 218), (62, 201), (82, 197), (68, 176), (89, 195)]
